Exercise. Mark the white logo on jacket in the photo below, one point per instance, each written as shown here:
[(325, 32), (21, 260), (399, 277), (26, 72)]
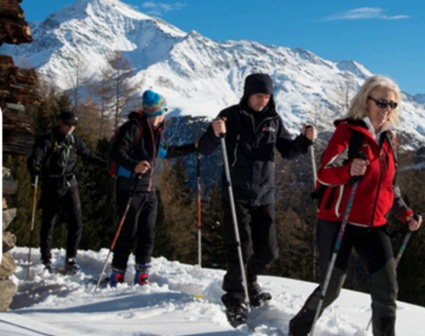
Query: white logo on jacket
[(268, 129)]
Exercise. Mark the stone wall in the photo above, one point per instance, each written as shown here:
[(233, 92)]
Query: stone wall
[(7, 267), (17, 92)]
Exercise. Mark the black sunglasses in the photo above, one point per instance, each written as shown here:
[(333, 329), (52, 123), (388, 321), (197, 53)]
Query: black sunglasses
[(382, 103)]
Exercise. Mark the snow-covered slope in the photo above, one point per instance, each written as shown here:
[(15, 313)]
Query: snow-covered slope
[(197, 75), (181, 300)]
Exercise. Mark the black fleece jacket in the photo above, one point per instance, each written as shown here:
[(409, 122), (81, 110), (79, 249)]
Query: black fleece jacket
[(250, 141), (130, 147), (48, 154)]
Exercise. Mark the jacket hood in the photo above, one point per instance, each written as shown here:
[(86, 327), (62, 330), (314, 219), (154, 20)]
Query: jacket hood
[(358, 124), (135, 114), (258, 83), (141, 115)]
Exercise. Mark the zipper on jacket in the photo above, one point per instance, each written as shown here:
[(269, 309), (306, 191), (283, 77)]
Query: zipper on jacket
[(153, 156), (381, 150), (235, 152), (262, 122), (255, 129)]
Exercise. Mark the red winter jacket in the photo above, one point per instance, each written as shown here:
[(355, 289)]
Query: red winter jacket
[(376, 193)]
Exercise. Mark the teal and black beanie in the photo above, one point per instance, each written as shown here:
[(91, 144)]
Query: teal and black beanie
[(153, 104)]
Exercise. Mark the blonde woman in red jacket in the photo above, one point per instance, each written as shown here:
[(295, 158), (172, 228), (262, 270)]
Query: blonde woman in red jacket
[(373, 113)]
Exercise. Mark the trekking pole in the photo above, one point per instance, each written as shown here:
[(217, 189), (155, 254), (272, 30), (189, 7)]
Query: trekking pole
[(235, 221), (117, 233), (399, 255), (313, 166), (313, 163), (313, 160), (199, 213), (405, 241), (34, 202), (335, 254)]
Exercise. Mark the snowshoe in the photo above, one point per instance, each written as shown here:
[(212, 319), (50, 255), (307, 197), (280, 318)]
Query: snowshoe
[(256, 296), (48, 267), (236, 316), (71, 266), (236, 311), (104, 282), (258, 299), (63, 271)]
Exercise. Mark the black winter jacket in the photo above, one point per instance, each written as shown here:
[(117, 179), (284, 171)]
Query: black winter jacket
[(54, 158), (130, 147), (250, 142)]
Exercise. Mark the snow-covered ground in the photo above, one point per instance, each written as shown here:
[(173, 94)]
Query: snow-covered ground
[(181, 300)]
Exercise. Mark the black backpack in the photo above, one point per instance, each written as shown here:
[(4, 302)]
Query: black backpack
[(112, 166), (58, 157)]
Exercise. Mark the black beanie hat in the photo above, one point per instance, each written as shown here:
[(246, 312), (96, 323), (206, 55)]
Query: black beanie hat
[(257, 83)]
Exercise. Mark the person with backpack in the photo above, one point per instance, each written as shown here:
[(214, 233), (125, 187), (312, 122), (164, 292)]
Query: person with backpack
[(373, 113), (252, 130), (54, 159), (137, 151)]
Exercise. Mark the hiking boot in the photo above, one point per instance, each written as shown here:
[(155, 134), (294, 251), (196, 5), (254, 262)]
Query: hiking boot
[(71, 266), (117, 276), (237, 315), (48, 266), (141, 277), (256, 296), (236, 310)]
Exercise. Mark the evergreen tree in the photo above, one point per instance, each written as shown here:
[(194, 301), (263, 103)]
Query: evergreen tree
[(97, 196), (45, 116), (295, 219), (213, 242), (179, 217)]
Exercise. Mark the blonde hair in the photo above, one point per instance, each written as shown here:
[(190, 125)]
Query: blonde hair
[(358, 107)]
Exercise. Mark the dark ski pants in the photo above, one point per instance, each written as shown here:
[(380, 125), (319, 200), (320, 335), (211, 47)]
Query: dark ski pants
[(257, 231), (139, 225), (374, 249), (51, 201)]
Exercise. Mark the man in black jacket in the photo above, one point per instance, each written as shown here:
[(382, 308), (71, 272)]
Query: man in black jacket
[(252, 130), (55, 158), (138, 150)]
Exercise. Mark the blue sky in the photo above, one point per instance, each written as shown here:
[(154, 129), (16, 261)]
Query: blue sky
[(385, 36)]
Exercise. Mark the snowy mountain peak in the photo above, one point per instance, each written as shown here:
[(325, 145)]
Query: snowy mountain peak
[(420, 98), (199, 76), (87, 32), (109, 17), (355, 68), (83, 8)]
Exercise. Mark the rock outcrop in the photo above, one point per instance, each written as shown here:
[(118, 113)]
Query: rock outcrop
[(17, 92), (7, 266)]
